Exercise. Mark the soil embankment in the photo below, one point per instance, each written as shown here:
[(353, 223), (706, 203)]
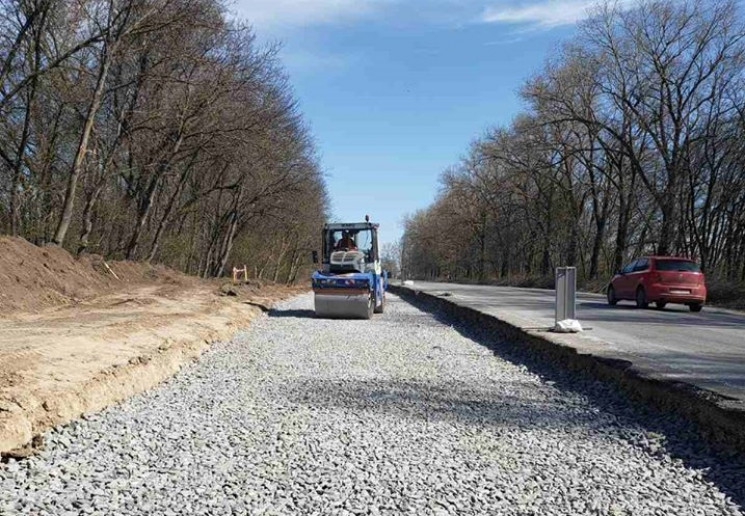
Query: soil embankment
[(79, 335)]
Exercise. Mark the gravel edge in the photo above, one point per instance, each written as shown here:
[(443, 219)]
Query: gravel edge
[(722, 425)]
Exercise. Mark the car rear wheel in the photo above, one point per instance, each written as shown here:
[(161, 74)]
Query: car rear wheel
[(641, 298), (696, 307), (612, 299), (660, 305)]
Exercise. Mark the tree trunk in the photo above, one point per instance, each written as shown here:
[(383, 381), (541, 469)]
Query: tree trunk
[(596, 246), (573, 244), (147, 202), (77, 167), (667, 231), (88, 220), (227, 247), (141, 219), (278, 263), (164, 219), (15, 192), (294, 268)]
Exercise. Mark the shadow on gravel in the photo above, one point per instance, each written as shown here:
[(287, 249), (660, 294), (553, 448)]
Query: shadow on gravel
[(297, 313), (451, 401), (682, 439)]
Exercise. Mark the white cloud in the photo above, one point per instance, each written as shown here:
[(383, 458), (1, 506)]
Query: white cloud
[(506, 41), (273, 15), (294, 13), (547, 13)]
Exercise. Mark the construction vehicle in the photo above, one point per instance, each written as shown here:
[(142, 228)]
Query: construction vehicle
[(350, 282)]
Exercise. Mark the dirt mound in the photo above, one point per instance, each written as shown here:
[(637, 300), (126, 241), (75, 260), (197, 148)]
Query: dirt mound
[(33, 278)]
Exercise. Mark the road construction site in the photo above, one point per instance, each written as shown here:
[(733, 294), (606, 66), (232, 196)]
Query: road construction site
[(414, 412)]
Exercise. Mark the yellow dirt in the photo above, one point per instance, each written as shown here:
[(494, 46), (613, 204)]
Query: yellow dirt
[(60, 363)]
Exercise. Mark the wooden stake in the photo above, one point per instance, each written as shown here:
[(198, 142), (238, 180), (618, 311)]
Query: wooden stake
[(112, 272)]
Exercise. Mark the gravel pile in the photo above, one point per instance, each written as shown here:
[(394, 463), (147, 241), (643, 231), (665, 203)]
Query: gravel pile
[(399, 415)]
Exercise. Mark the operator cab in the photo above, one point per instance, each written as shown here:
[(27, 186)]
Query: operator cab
[(350, 247)]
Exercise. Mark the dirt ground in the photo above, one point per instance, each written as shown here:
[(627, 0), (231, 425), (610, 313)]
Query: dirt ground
[(79, 335)]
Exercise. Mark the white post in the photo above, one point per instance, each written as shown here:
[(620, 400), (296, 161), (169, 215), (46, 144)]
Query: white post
[(566, 299)]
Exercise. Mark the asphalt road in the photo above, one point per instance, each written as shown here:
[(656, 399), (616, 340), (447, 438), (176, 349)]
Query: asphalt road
[(706, 349)]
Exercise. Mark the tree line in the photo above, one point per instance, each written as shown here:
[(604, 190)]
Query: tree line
[(632, 141), (155, 130)]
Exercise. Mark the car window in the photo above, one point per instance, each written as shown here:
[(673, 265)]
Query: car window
[(628, 268), (642, 264), (677, 265)]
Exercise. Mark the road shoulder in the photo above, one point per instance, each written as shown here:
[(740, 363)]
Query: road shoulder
[(61, 363), (721, 419)]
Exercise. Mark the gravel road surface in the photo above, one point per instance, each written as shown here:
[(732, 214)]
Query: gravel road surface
[(705, 349), (403, 414)]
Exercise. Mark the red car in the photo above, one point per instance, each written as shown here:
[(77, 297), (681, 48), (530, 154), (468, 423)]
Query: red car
[(660, 280)]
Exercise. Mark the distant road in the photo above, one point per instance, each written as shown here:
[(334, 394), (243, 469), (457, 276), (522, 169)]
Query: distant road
[(706, 349)]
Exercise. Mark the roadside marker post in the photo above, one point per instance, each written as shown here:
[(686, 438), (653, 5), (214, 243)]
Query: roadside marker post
[(237, 271), (565, 320)]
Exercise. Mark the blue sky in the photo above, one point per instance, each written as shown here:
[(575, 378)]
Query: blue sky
[(395, 90)]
